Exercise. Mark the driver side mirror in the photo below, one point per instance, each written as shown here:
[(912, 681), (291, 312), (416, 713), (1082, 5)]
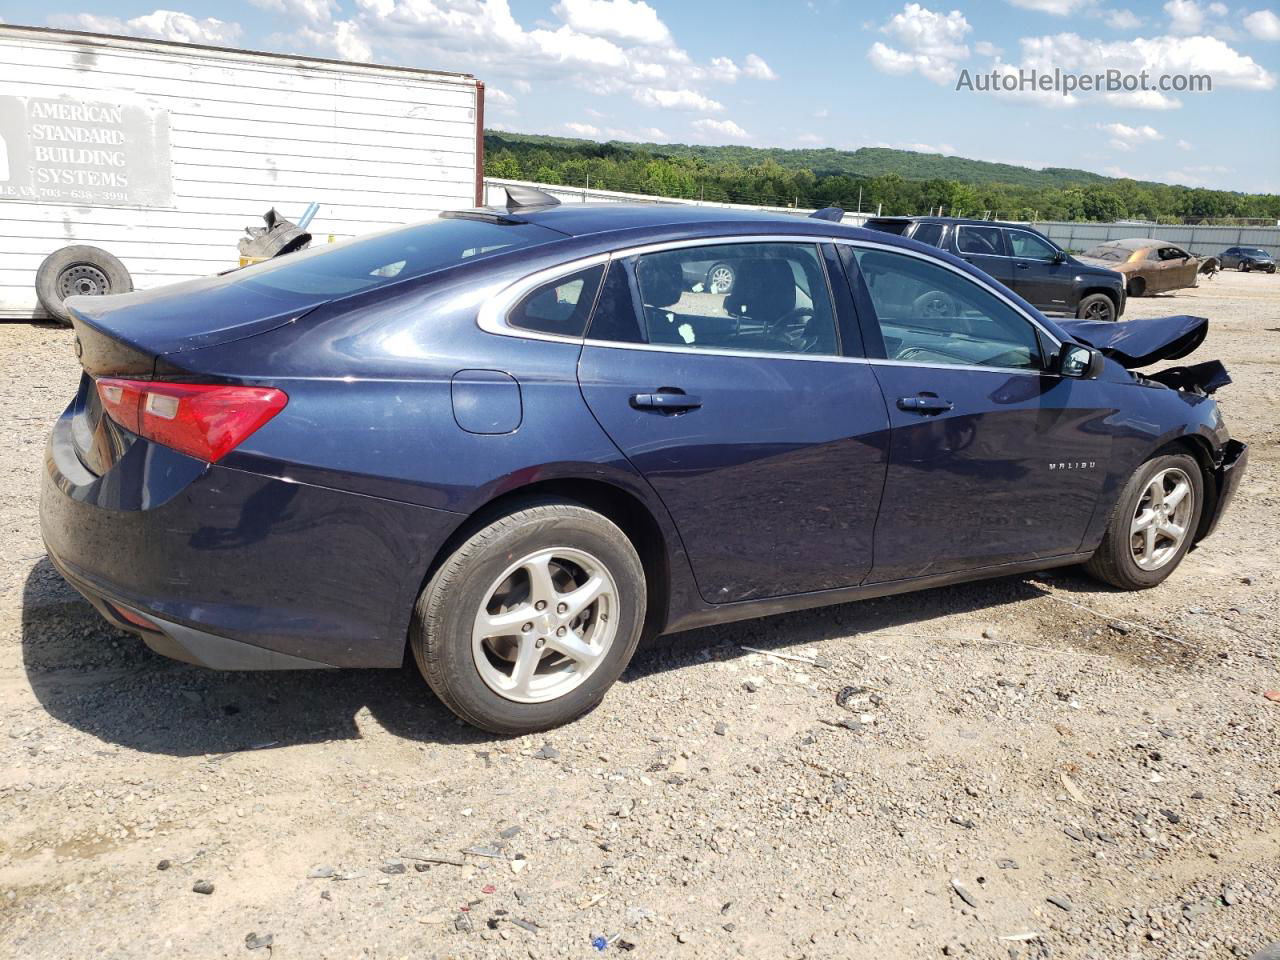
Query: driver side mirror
[(1059, 257), (1082, 363)]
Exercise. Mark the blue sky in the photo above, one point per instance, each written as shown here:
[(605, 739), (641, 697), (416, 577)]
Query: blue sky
[(793, 73)]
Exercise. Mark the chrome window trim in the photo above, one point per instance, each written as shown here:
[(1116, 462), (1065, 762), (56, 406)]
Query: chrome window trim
[(960, 273), (492, 317), (974, 253), (1012, 230)]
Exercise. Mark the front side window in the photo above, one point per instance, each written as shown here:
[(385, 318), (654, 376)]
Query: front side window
[(561, 306), (1030, 247), (929, 314), (777, 300), (984, 241)]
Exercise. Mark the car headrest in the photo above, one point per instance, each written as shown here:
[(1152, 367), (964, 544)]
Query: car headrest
[(661, 280), (764, 290)]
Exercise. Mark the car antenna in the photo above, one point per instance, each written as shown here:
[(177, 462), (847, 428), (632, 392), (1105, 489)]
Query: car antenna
[(520, 198), (834, 214)]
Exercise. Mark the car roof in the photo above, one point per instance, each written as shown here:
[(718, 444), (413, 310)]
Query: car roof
[(960, 221), (582, 219), (1137, 243)]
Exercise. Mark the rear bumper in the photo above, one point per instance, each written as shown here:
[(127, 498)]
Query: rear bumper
[(1229, 473), (238, 570)]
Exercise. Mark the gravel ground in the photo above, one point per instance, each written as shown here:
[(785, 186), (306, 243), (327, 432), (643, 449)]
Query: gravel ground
[(1021, 768)]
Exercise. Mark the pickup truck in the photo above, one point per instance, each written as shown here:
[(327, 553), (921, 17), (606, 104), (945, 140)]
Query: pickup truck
[(1023, 259)]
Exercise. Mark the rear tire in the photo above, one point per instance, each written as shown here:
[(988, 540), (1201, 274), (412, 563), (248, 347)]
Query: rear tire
[(78, 271), (1124, 558), (1244, 266), (1096, 306), (1137, 287), (475, 667)]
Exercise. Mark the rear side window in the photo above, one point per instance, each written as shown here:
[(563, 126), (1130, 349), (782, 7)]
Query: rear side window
[(930, 233), (759, 297), (401, 254), (984, 241), (560, 307), (615, 317)]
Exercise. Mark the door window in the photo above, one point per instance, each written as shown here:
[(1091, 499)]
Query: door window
[(1028, 246), (929, 314), (930, 233), (560, 307), (982, 241), (777, 300)]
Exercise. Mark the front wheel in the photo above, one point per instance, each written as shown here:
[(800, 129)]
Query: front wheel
[(1244, 266), (1152, 525), (1096, 306), (528, 623)]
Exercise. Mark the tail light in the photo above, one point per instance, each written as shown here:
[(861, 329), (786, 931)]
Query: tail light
[(206, 421)]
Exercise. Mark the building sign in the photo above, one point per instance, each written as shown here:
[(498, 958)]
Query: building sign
[(60, 150)]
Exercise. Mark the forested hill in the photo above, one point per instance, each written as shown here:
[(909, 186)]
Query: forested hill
[(897, 181)]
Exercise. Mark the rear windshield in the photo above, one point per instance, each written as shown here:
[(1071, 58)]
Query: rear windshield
[(1109, 253), (399, 254)]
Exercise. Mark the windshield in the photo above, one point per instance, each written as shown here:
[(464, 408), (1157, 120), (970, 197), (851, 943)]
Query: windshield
[(398, 254), (1254, 252), (1105, 252)]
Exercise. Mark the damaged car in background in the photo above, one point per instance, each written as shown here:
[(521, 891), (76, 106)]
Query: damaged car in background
[(1150, 266), (510, 442)]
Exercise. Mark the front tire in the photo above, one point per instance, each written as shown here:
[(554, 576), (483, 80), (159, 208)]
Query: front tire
[(527, 624), (1152, 525), (1096, 306)]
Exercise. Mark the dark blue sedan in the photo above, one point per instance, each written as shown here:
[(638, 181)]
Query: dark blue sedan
[(514, 441)]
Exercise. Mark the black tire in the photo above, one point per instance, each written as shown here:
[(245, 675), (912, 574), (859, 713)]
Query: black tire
[(1136, 287), (78, 271), (1113, 561), (442, 625), (1096, 306), (733, 278), (1244, 266), (1271, 269)]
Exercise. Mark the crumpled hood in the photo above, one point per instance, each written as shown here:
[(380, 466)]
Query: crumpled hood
[(1138, 343)]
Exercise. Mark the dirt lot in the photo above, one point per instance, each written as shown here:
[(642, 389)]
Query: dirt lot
[(1038, 766)]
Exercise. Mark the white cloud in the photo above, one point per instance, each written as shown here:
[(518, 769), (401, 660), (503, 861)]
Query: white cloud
[(1185, 16), (809, 138), (1157, 56), (496, 96), (984, 48), (342, 38), (160, 25), (1059, 8), (1123, 20), (602, 46), (1263, 24), (720, 128), (309, 11), (945, 149), (582, 129), (676, 100), (1185, 145), (756, 67), (631, 20), (1127, 138), (924, 41)]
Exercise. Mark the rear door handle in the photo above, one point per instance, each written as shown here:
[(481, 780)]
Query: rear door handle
[(666, 401), (925, 404)]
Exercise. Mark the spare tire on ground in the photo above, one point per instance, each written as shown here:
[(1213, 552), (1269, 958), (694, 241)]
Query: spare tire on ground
[(78, 271)]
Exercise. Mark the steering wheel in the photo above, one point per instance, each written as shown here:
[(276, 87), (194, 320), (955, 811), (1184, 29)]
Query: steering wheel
[(933, 305)]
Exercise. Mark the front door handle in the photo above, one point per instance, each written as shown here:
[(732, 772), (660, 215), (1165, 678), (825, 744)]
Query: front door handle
[(670, 402), (925, 404), (1023, 266)]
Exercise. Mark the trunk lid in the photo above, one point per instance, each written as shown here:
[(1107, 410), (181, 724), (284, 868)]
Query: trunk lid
[(125, 336)]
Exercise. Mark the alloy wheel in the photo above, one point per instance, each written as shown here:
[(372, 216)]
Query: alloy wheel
[(546, 623), (1097, 311), (720, 280), (1162, 519)]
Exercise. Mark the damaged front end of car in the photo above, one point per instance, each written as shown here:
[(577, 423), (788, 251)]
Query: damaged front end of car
[(1139, 343)]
